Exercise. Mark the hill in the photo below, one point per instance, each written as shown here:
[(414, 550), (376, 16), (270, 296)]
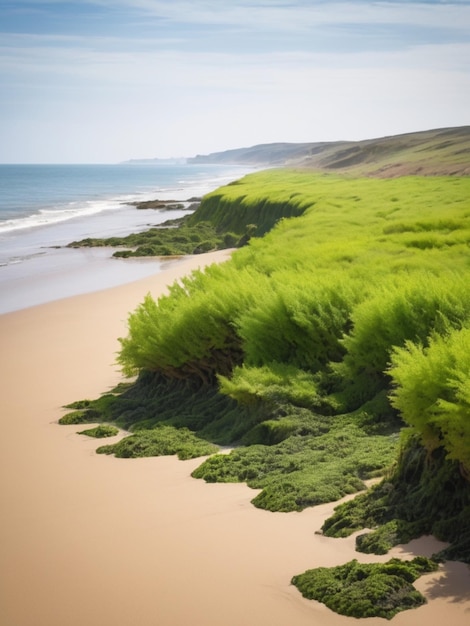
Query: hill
[(444, 151)]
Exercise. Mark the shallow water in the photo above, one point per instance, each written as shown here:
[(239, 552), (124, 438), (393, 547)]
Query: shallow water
[(43, 208)]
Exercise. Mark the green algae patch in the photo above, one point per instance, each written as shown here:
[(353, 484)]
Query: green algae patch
[(177, 239), (160, 441), (90, 411), (425, 494), (100, 432), (366, 589), (319, 460), (295, 456), (77, 417)]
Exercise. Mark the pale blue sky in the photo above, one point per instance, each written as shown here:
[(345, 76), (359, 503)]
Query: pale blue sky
[(109, 80)]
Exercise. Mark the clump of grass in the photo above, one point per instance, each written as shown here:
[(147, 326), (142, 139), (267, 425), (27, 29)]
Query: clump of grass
[(366, 589)]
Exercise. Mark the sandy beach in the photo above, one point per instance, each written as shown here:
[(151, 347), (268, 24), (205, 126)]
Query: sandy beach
[(91, 540)]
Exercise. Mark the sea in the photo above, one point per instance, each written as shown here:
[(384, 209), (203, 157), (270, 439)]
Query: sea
[(45, 207)]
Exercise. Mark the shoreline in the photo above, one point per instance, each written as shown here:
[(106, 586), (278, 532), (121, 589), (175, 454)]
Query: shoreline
[(43, 273), (66, 273), (91, 539), (53, 206)]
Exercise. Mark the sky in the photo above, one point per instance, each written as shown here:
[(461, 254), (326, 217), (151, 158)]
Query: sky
[(102, 81)]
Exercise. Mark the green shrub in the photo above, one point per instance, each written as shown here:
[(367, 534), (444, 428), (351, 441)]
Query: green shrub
[(191, 332), (408, 310), (432, 392), (300, 321), (274, 383)]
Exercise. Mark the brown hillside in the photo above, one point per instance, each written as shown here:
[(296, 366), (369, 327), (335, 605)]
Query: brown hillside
[(431, 153)]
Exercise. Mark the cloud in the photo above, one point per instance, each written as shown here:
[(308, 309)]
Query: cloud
[(282, 18), (284, 15), (166, 78)]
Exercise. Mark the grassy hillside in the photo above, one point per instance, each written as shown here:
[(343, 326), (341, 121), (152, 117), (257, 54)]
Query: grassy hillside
[(436, 152), (228, 218), (313, 349), (444, 151), (269, 154)]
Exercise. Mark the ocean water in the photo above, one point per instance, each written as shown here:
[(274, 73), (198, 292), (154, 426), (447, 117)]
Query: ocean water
[(45, 207)]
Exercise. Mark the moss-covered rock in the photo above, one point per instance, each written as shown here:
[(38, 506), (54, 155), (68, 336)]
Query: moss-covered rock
[(100, 432), (366, 589)]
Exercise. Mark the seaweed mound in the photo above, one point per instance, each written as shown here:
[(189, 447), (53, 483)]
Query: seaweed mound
[(366, 590)]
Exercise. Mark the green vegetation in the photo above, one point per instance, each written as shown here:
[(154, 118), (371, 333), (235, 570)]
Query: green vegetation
[(313, 348), (436, 152), (314, 462), (174, 240), (165, 205), (432, 389), (232, 209), (181, 417), (91, 411), (101, 431), (161, 440), (425, 494), (366, 589)]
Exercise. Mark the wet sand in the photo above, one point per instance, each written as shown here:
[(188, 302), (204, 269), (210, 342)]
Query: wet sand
[(98, 541)]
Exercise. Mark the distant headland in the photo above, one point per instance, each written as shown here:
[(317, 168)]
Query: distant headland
[(443, 151)]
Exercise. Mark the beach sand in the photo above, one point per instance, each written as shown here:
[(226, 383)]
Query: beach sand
[(90, 540)]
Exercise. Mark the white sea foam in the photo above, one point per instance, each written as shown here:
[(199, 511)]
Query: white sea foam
[(62, 213), (47, 207), (44, 217)]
